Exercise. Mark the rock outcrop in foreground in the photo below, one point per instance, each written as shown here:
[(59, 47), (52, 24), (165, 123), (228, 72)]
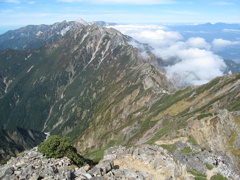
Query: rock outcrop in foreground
[(147, 162)]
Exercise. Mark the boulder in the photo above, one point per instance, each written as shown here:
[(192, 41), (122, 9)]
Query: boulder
[(9, 171)]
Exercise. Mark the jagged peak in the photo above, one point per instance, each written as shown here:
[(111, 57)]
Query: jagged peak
[(98, 27), (98, 31), (82, 22)]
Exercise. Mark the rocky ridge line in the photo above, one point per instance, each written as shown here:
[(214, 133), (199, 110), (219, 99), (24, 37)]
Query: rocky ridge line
[(147, 162)]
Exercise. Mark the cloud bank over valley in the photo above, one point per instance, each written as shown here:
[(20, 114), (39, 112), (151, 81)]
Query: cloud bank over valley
[(190, 61)]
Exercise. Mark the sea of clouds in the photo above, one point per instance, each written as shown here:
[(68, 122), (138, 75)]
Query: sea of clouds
[(196, 62)]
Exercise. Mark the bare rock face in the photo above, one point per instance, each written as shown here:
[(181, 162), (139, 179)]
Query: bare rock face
[(219, 133), (147, 161), (154, 162)]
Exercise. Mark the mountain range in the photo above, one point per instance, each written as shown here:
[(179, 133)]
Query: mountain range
[(35, 36), (87, 82)]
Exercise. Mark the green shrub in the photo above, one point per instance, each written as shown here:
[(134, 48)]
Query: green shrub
[(201, 116), (196, 173), (200, 178), (186, 150), (218, 177), (57, 147), (209, 166), (169, 147), (192, 140)]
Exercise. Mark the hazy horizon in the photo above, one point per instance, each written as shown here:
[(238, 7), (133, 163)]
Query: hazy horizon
[(5, 28), (35, 12)]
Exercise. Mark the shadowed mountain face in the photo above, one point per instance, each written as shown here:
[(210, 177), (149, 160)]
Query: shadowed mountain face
[(93, 86), (16, 140)]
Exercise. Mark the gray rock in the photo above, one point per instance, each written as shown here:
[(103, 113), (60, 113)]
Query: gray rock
[(9, 171), (118, 173), (130, 174), (3, 169), (49, 178), (70, 174), (47, 172), (32, 165), (106, 166), (136, 152), (33, 154), (82, 170), (80, 178), (61, 170), (29, 170), (87, 175), (98, 178), (96, 171), (7, 177), (236, 145), (34, 177), (24, 176)]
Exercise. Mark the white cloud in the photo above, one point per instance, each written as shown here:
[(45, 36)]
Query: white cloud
[(231, 30), (197, 66), (198, 43), (220, 44), (158, 38), (136, 45), (191, 60), (12, 1), (137, 28), (125, 1), (144, 55), (152, 34)]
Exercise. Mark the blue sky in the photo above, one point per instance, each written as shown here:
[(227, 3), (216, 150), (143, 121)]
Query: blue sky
[(23, 12)]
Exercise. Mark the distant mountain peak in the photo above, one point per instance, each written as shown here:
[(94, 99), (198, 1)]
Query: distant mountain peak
[(82, 22), (35, 36)]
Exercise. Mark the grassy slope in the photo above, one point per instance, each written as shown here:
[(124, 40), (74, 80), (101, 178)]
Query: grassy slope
[(174, 112)]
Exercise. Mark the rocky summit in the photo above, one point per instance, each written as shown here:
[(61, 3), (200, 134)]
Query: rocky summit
[(146, 162), (90, 84)]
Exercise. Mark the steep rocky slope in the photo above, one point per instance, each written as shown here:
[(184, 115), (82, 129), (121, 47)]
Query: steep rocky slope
[(89, 78), (206, 116), (17, 140)]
